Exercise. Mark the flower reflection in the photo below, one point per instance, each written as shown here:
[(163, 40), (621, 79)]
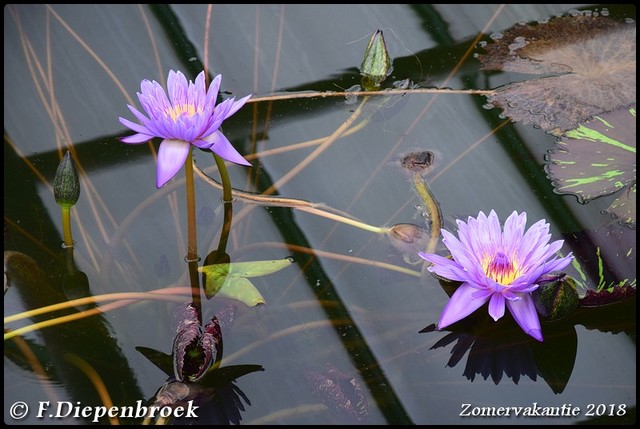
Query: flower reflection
[(496, 266), (188, 116), (195, 378), (491, 354)]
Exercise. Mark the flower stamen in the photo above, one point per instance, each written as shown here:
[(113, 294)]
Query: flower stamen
[(176, 111), (500, 268)]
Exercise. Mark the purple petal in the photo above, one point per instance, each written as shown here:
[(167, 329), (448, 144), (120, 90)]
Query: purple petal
[(237, 105), (171, 157), (514, 231), (459, 306), (177, 88), (444, 267), (460, 253), (496, 306), (224, 149), (133, 126), (217, 118), (558, 264), (525, 315), (136, 138), (212, 93)]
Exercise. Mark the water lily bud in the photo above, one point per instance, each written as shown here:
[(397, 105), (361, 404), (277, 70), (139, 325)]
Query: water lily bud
[(556, 298), (66, 184), (376, 65)]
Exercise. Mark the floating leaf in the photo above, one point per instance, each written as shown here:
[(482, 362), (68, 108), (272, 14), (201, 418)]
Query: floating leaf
[(230, 279), (598, 158), (591, 60), (607, 296), (623, 208)]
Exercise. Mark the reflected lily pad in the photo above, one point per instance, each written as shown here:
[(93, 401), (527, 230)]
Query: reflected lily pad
[(599, 158), (589, 63)]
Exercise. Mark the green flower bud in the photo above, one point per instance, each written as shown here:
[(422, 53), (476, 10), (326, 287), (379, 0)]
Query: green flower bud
[(66, 184), (376, 65), (557, 298)]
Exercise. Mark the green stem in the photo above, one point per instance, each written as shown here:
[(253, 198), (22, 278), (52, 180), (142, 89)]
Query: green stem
[(294, 203), (227, 198), (192, 241), (224, 177), (226, 228), (66, 226)]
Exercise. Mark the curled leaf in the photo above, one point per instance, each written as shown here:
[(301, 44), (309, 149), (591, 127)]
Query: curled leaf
[(590, 65)]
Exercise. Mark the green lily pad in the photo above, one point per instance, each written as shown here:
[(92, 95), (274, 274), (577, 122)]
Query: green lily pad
[(598, 158), (231, 279)]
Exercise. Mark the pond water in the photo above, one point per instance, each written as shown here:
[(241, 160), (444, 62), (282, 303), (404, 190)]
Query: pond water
[(344, 333)]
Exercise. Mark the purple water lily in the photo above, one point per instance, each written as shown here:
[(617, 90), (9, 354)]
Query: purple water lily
[(501, 267), (188, 116)]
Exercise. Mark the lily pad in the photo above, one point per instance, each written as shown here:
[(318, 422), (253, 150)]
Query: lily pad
[(231, 279), (589, 63), (599, 158)]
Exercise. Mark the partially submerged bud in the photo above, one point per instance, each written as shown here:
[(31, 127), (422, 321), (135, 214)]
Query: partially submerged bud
[(376, 64), (66, 183), (408, 239), (556, 297)]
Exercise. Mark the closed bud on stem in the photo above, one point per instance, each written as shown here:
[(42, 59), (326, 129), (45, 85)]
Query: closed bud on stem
[(556, 297), (376, 65), (66, 184)]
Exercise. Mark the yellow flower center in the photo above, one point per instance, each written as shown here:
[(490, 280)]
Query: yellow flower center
[(176, 111), (500, 268)]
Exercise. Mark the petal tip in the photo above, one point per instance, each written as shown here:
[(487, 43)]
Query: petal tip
[(536, 333)]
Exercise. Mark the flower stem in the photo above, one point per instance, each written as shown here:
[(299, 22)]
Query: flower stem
[(294, 203), (433, 209), (66, 226), (224, 177), (192, 242), (227, 199)]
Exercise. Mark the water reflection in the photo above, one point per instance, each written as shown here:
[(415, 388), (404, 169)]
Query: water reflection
[(197, 385), (500, 349)]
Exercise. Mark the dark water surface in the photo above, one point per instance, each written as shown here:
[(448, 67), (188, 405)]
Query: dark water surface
[(338, 340)]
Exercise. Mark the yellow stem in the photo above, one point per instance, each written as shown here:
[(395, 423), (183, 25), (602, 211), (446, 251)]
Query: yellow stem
[(66, 226), (433, 209)]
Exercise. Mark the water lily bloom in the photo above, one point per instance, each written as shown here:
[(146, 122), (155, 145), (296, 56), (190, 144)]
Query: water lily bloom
[(496, 266), (187, 116)]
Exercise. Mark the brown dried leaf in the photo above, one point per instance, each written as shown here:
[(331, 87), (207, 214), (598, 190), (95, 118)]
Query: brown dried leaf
[(591, 61)]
